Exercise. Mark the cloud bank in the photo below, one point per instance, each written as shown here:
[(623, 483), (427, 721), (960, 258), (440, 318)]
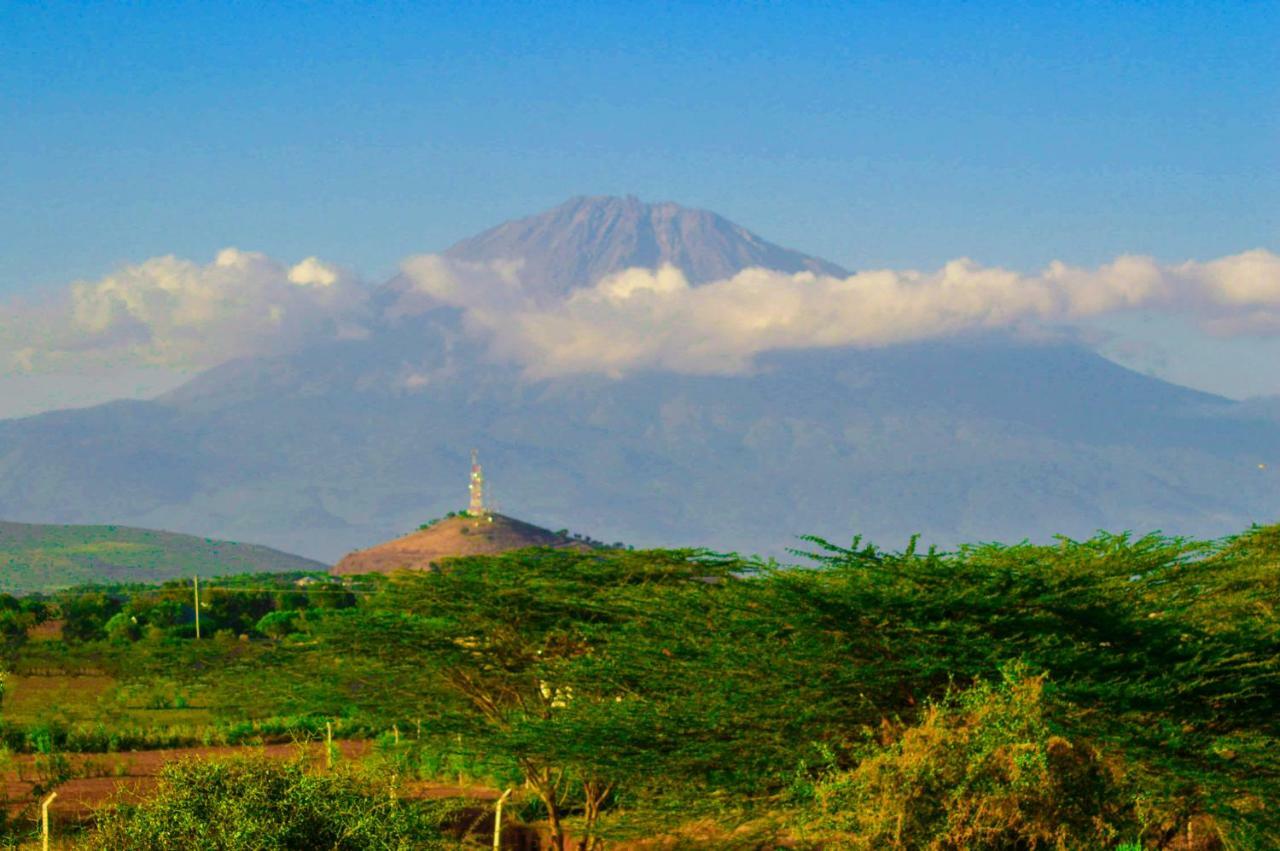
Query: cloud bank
[(173, 313), (654, 319)]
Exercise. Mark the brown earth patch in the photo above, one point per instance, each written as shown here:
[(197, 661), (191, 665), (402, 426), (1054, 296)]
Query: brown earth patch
[(132, 775), (454, 536)]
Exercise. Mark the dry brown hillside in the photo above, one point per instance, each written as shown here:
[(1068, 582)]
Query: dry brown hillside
[(454, 536)]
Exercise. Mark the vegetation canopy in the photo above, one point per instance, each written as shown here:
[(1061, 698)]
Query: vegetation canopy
[(1115, 691)]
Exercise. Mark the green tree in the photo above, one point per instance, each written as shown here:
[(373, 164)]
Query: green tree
[(85, 614), (479, 650), (1114, 621), (247, 803)]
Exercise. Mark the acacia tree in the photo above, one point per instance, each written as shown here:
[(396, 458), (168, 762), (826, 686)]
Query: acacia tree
[(611, 679), (1135, 647), (480, 649)]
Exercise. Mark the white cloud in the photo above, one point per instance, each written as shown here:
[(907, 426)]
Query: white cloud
[(430, 280), (172, 312), (654, 319)]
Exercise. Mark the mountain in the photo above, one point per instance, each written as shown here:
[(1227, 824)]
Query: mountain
[(352, 442), (582, 240), (46, 558), (460, 535)]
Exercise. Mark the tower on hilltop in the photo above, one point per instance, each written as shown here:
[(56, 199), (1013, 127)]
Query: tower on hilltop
[(476, 508)]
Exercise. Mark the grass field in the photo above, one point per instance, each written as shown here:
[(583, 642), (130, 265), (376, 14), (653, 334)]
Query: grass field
[(97, 698)]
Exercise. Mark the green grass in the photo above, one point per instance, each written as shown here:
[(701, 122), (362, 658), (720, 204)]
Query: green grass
[(47, 558), (97, 698)]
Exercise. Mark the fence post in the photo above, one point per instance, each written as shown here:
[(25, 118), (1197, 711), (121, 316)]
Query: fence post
[(497, 821), (195, 582), (328, 744), (44, 820)]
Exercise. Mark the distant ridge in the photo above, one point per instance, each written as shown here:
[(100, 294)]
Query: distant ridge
[(461, 535), (38, 557), (586, 238)]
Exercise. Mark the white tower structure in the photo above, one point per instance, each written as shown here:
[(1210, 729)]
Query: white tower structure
[(476, 508)]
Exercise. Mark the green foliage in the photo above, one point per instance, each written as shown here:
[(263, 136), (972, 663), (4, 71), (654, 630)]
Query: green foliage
[(17, 617), (478, 652), (236, 605), (981, 769), (630, 690), (85, 616), (1119, 625), (51, 764), (248, 803), (633, 691), (278, 624)]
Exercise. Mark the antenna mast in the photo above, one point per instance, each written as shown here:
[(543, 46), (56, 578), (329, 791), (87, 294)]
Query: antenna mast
[(476, 509)]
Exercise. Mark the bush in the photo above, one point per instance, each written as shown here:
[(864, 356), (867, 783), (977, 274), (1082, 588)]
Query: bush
[(981, 770), (278, 624), (254, 803)]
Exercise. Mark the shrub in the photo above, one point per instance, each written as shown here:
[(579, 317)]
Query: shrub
[(980, 770), (254, 803), (278, 624)]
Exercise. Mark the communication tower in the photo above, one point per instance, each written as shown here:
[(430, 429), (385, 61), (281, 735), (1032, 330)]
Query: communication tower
[(476, 508)]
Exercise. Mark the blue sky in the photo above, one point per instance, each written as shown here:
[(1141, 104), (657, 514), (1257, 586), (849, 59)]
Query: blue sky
[(876, 135)]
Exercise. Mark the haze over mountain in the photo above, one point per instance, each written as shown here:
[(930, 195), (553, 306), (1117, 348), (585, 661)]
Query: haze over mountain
[(352, 441)]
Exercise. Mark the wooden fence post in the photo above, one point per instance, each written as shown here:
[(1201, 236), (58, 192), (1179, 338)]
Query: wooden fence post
[(44, 820), (497, 821)]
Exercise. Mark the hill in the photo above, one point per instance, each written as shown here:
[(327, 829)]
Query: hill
[(46, 558), (461, 535)]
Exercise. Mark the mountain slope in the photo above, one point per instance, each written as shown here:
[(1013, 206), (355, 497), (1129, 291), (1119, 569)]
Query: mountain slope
[(957, 441), (352, 442), (45, 558)]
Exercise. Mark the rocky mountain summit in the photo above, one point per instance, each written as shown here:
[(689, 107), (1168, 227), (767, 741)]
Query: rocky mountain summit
[(582, 240)]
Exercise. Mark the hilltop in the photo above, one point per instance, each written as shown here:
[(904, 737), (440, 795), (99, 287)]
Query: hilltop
[(460, 535), (36, 557)]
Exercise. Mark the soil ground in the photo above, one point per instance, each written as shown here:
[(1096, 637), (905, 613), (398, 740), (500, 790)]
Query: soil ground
[(132, 775)]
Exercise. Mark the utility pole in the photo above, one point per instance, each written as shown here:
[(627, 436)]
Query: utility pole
[(196, 582)]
